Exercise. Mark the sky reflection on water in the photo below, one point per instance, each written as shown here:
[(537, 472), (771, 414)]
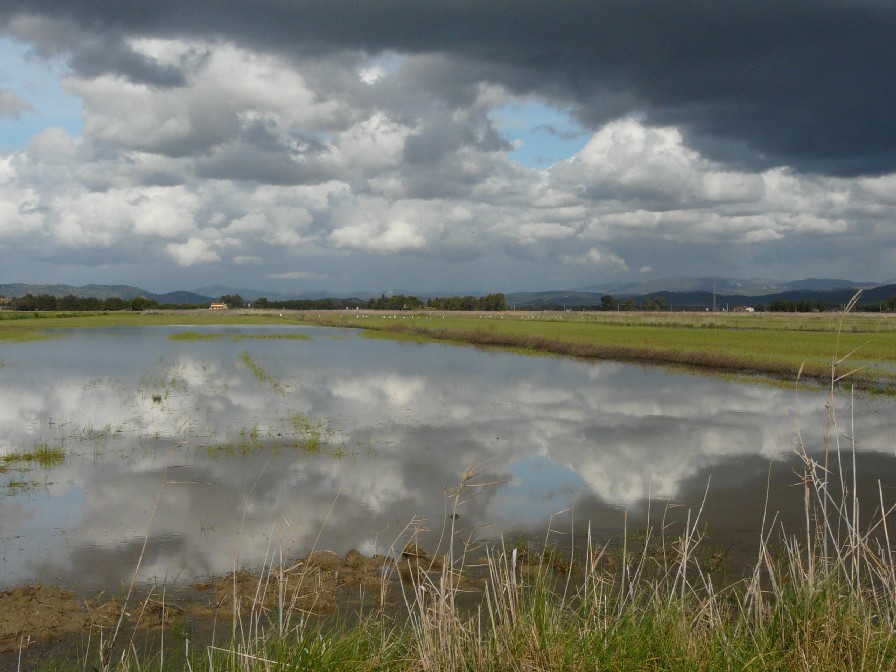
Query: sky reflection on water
[(192, 423)]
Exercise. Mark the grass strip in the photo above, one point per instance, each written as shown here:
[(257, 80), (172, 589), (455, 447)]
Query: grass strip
[(780, 352)]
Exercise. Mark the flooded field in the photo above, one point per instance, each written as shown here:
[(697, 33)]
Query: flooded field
[(208, 449)]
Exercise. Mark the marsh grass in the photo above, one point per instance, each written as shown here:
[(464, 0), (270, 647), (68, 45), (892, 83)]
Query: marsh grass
[(302, 432), (43, 455), (197, 336), (260, 374)]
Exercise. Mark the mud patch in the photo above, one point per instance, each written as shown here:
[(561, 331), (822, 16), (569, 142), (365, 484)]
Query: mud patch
[(39, 619), (316, 585), (42, 614)]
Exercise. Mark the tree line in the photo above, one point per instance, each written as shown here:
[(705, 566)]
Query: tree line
[(782, 306), (70, 302), (491, 302)]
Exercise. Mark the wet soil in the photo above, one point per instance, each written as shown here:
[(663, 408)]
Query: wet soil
[(44, 621)]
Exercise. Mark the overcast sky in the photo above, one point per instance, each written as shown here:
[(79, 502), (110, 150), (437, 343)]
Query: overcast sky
[(434, 145)]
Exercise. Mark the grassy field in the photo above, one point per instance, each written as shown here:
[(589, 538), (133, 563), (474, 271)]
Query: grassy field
[(765, 344)]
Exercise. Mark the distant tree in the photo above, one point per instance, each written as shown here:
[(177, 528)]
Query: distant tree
[(394, 302), (261, 302), (233, 300), (608, 302), (142, 303), (494, 302), (68, 302), (113, 303), (38, 302)]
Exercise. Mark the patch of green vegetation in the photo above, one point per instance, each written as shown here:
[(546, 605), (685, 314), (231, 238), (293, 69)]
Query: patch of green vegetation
[(271, 337), (43, 454), (196, 336), (754, 345), (396, 336), (260, 374), (25, 335), (249, 442), (97, 434), (16, 487), (302, 432), (309, 434)]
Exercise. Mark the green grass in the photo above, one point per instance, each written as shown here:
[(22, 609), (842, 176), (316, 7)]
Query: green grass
[(260, 374), (196, 336), (770, 344), (302, 432), (765, 344), (43, 455)]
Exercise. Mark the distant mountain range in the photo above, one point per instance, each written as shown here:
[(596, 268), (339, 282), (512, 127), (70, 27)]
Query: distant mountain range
[(748, 287), (125, 292), (678, 293)]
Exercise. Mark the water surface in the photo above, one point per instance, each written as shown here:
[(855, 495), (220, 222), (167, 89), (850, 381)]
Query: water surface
[(201, 448)]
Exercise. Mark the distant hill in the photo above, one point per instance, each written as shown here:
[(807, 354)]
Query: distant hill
[(252, 294), (558, 298), (125, 292), (743, 287), (730, 293), (94, 291), (183, 298), (221, 290), (700, 300)]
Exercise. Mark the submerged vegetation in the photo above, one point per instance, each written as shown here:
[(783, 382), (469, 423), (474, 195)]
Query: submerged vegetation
[(260, 374), (197, 336), (15, 467), (43, 455), (302, 432)]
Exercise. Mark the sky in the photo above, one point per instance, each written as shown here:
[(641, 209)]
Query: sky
[(445, 146)]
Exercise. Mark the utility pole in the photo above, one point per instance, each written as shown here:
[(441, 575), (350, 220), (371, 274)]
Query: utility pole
[(713, 295)]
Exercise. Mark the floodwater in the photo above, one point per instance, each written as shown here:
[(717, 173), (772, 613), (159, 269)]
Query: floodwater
[(208, 454)]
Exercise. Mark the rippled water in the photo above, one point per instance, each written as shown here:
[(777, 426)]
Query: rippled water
[(193, 441)]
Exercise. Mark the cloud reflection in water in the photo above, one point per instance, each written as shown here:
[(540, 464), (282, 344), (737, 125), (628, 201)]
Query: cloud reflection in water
[(133, 407)]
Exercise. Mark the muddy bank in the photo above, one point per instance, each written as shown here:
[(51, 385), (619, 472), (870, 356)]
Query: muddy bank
[(43, 620)]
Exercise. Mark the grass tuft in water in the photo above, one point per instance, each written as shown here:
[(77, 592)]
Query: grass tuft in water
[(43, 454), (260, 374)]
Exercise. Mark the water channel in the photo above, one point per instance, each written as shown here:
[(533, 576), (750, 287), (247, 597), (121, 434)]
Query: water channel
[(214, 447)]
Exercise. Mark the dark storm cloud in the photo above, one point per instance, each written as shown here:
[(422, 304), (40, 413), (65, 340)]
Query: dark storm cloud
[(807, 84), (259, 155), (114, 57)]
